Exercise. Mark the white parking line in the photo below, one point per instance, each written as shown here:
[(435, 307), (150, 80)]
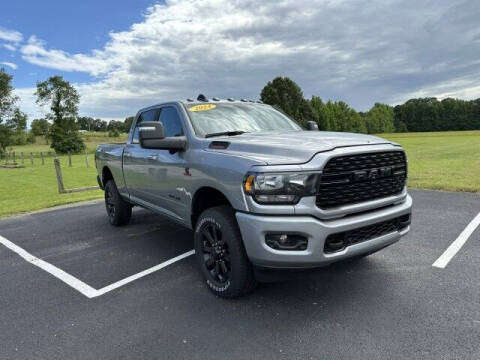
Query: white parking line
[(79, 285), (455, 247)]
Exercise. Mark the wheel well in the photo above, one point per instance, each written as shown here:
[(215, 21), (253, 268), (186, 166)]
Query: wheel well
[(205, 198), (106, 175)]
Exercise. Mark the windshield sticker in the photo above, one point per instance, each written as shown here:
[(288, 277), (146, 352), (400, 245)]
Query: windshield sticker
[(203, 107)]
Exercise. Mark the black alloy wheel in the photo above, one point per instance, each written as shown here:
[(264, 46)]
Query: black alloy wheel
[(118, 210), (109, 202), (221, 254), (215, 253)]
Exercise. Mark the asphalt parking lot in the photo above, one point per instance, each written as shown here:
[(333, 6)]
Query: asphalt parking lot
[(392, 305)]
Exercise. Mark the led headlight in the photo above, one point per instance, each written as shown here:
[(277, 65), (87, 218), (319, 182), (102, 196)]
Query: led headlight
[(280, 188)]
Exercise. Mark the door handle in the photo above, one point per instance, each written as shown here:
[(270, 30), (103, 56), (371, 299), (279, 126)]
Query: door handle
[(126, 154), (152, 157)]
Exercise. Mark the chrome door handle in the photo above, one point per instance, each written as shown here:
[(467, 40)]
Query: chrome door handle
[(126, 154), (152, 157)]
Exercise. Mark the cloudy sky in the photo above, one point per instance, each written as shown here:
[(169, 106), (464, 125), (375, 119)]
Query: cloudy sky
[(123, 55)]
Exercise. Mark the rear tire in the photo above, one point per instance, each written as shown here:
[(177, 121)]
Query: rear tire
[(118, 210), (221, 255)]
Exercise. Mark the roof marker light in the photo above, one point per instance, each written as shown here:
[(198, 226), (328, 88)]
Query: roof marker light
[(202, 97)]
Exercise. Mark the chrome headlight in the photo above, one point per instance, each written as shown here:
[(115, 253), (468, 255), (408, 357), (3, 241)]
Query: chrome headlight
[(280, 188)]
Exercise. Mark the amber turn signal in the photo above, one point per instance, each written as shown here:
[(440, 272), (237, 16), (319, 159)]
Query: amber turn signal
[(248, 184)]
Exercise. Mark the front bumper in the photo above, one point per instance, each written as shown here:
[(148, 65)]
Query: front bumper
[(254, 228)]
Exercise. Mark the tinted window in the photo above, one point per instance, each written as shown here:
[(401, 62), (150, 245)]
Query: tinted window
[(171, 121), (150, 115)]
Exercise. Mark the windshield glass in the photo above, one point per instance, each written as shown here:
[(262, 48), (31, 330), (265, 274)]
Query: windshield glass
[(216, 118)]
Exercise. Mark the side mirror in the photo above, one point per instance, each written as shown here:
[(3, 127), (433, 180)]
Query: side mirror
[(151, 130), (152, 136), (312, 126)]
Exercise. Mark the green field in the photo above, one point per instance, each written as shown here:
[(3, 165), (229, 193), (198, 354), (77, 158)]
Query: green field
[(35, 186), (91, 140), (441, 161)]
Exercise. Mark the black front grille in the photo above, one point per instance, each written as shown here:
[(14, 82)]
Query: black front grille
[(353, 179), (339, 241)]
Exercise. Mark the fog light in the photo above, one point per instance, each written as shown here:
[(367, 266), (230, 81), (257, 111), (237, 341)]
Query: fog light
[(286, 241)]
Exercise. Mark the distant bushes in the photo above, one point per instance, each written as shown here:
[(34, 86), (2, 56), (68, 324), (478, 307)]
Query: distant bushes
[(113, 133)]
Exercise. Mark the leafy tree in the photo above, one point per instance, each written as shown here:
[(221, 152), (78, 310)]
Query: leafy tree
[(85, 123), (336, 116), (320, 113), (40, 127), (63, 100), (127, 123), (114, 125), (18, 124), (380, 119), (99, 125), (285, 94), (5, 137), (7, 102)]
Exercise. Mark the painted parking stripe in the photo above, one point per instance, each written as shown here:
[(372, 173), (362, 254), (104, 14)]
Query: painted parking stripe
[(455, 247), (143, 273), (79, 285)]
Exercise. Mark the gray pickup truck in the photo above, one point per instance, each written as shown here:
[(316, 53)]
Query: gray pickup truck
[(259, 192)]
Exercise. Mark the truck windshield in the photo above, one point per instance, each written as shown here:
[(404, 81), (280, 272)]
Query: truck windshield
[(210, 118)]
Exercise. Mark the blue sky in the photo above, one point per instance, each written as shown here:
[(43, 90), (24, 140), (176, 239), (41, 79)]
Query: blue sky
[(73, 26), (124, 55)]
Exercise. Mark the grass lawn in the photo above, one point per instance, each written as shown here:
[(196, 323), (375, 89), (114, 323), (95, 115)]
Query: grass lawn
[(35, 186), (442, 161)]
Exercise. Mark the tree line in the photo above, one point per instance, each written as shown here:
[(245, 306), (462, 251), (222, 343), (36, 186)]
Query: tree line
[(61, 125), (422, 114)]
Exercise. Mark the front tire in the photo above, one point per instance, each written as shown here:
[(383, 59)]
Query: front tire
[(221, 255), (118, 210)]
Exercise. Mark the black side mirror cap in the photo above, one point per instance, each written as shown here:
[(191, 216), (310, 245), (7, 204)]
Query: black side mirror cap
[(151, 130), (312, 126), (152, 136)]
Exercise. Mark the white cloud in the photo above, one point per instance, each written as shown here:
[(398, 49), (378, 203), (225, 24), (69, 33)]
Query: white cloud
[(360, 52), (10, 65), (9, 47), (10, 35), (34, 52)]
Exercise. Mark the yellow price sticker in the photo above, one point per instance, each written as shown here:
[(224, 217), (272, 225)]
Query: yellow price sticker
[(203, 107)]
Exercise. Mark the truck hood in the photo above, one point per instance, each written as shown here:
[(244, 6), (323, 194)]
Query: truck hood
[(293, 147)]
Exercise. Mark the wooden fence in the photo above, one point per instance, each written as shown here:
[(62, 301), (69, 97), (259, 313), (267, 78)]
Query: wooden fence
[(19, 159), (61, 186), (14, 159)]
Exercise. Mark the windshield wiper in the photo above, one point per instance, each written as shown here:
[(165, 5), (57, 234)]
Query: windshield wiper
[(228, 133)]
